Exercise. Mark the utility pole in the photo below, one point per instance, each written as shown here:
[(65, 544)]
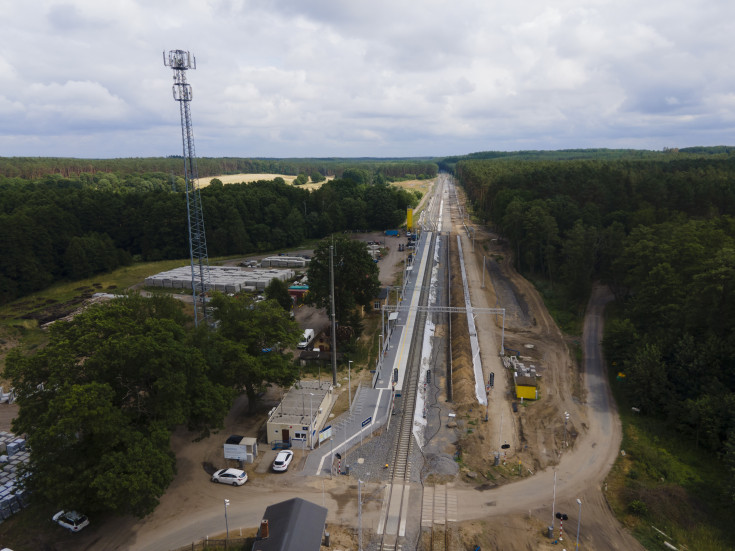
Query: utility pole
[(334, 322), (311, 422), (359, 514), (553, 507), (349, 386)]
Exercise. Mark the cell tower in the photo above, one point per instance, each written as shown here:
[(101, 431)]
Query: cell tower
[(180, 61)]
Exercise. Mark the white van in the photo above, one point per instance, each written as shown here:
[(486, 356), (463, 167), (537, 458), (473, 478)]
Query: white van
[(306, 338)]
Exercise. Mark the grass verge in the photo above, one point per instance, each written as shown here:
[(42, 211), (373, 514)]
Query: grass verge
[(664, 489)]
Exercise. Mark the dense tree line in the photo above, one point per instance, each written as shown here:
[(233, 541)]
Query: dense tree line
[(661, 232), (61, 228), (449, 163), (30, 168)]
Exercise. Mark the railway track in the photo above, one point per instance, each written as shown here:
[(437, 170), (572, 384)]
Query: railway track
[(395, 508), (439, 517), (439, 504)]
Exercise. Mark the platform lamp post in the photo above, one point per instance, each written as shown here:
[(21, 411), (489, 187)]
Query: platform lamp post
[(566, 418), (227, 526), (579, 521)]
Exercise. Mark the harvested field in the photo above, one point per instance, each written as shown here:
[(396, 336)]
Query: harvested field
[(248, 178)]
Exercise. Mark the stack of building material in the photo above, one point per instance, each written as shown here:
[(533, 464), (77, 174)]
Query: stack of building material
[(225, 279), (284, 262), (13, 454)]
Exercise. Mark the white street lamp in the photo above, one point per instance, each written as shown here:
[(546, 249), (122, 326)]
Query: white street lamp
[(227, 526), (579, 520)]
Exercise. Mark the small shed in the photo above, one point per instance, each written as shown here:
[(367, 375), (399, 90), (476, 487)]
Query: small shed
[(382, 298), (526, 387), (291, 524), (242, 448)]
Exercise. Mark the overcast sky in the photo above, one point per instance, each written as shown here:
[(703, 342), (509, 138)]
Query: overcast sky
[(309, 78)]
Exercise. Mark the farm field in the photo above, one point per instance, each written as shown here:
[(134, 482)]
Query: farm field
[(421, 185), (247, 178)]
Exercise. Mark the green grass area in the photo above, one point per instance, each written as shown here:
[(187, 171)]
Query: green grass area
[(664, 484), (22, 311), (21, 320)]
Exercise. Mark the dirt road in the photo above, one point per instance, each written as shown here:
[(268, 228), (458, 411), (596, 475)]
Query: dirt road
[(527, 505)]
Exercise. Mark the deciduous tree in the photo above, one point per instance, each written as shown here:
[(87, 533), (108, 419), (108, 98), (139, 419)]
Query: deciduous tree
[(98, 404), (356, 280)]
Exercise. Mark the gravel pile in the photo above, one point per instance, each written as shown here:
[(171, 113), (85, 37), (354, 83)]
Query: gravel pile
[(442, 464)]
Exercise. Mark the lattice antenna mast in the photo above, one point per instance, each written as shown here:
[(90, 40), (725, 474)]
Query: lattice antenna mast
[(180, 61)]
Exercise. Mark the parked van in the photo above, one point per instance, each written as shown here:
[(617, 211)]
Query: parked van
[(306, 339)]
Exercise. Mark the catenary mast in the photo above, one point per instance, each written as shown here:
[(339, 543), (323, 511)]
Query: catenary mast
[(180, 61)]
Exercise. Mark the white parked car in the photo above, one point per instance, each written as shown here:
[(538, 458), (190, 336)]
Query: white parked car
[(236, 477), (282, 460), (71, 520)]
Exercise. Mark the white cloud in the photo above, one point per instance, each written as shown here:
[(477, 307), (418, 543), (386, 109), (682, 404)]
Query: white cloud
[(329, 77)]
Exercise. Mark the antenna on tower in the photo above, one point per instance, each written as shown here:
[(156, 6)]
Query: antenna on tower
[(180, 61)]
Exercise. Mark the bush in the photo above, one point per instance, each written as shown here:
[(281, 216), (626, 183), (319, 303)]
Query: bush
[(638, 508)]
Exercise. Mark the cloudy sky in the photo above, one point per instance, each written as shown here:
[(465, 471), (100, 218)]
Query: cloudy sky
[(307, 78)]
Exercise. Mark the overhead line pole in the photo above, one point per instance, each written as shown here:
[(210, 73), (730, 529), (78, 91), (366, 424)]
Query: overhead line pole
[(334, 323)]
